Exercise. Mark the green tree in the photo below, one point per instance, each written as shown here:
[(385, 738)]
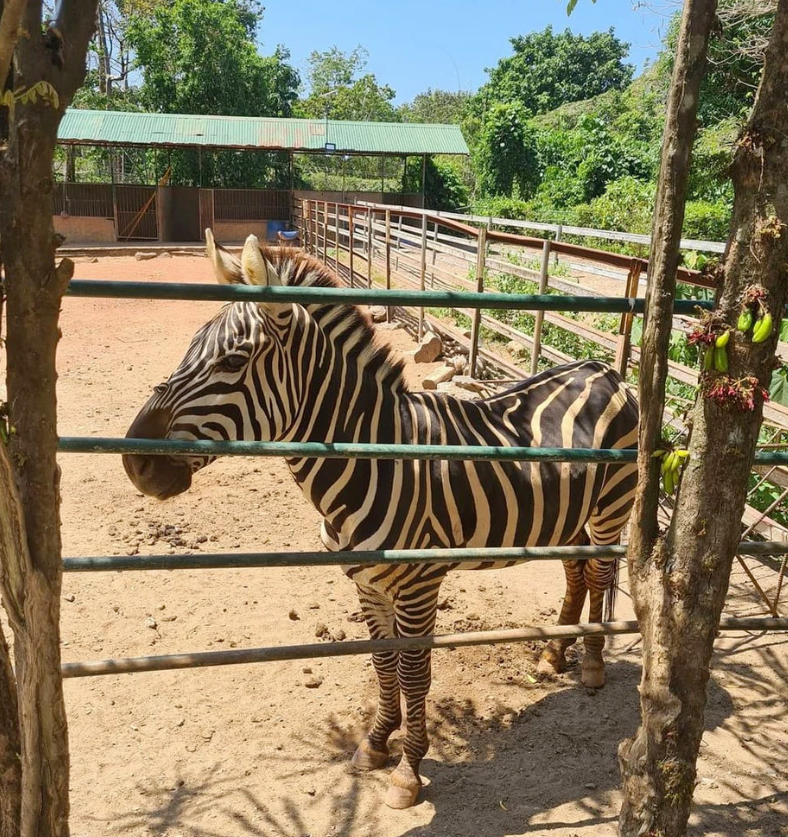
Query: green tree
[(550, 69), (443, 107), (443, 186), (506, 155), (199, 56), (338, 90)]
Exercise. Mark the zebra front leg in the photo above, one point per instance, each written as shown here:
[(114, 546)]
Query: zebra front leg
[(599, 576), (553, 659), (414, 618), (372, 752)]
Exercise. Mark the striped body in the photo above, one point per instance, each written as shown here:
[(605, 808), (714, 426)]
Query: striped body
[(315, 373)]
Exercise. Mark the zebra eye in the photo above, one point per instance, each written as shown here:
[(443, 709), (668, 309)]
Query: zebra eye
[(160, 388), (232, 363)]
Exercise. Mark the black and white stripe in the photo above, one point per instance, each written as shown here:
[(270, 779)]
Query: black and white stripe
[(317, 373)]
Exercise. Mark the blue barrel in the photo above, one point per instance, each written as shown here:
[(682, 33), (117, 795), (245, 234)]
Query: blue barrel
[(274, 227)]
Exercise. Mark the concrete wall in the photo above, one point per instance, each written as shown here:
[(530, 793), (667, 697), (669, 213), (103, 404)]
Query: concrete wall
[(85, 230), (233, 231)]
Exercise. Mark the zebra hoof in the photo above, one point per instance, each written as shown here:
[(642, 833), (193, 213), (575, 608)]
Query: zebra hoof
[(403, 789), (593, 674), (552, 661), (367, 757)]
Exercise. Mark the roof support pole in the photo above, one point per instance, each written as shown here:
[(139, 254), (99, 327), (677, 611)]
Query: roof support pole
[(424, 181)]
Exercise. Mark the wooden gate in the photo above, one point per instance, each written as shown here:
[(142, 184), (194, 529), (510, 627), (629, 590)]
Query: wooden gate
[(136, 213)]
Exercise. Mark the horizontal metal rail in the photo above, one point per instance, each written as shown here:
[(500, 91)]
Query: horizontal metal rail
[(341, 450), (241, 656), (357, 296), (231, 560), (252, 560), (358, 450)]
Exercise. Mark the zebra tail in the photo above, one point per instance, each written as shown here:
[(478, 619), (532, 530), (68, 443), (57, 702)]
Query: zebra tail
[(610, 594)]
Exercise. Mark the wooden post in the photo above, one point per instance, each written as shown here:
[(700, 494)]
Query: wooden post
[(388, 259), (434, 251), (336, 233), (351, 243), (305, 223), (543, 279), (423, 270), (624, 342), (316, 222), (370, 244), (481, 256), (558, 234), (399, 240), (325, 232)]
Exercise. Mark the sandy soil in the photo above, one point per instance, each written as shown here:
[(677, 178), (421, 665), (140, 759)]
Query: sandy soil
[(251, 750)]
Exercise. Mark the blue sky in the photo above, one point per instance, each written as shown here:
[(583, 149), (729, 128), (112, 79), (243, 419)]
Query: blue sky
[(416, 44)]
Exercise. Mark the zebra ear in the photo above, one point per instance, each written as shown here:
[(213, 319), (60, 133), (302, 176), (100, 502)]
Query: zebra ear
[(226, 268), (256, 268)]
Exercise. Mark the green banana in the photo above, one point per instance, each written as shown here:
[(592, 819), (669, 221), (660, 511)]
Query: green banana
[(667, 482), (721, 359), (763, 328), (722, 341), (744, 323)]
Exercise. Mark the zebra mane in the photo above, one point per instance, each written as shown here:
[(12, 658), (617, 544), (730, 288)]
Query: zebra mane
[(346, 324)]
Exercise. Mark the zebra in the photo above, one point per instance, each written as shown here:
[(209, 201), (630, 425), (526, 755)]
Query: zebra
[(316, 372)]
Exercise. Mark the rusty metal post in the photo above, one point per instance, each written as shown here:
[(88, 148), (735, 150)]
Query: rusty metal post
[(423, 270), (543, 280), (399, 241), (434, 252), (388, 259), (336, 233), (325, 232), (624, 341), (481, 257), (351, 236), (370, 244)]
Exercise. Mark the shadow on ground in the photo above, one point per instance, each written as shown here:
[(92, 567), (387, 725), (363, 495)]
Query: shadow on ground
[(498, 771)]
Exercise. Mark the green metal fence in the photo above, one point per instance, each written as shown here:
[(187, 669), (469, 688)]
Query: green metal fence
[(307, 296)]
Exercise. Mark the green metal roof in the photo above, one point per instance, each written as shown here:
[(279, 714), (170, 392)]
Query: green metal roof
[(99, 127)]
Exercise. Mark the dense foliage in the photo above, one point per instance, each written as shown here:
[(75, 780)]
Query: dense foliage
[(338, 90), (559, 132), (549, 70)]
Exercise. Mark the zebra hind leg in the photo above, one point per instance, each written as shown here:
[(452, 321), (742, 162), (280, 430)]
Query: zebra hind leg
[(414, 618), (599, 576), (553, 659), (372, 752)]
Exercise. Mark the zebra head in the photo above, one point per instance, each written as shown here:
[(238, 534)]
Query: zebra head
[(236, 380)]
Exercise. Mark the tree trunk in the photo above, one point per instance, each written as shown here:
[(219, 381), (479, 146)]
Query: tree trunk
[(10, 750), (34, 287), (679, 579)]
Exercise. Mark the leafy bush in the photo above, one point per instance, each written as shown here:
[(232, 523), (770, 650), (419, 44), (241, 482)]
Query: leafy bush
[(506, 157), (443, 185), (707, 221)]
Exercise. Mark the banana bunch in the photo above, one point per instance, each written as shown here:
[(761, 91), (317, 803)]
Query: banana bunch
[(672, 464), (716, 356), (762, 325)]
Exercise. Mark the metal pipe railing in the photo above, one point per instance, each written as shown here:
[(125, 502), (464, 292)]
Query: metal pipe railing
[(364, 296), (359, 450), (240, 656), (257, 560)]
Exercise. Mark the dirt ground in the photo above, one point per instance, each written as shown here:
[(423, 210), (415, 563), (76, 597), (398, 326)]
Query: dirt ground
[(252, 750)]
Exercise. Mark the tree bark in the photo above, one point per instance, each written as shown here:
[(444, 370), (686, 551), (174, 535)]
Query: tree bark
[(34, 287), (10, 748), (679, 579)]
